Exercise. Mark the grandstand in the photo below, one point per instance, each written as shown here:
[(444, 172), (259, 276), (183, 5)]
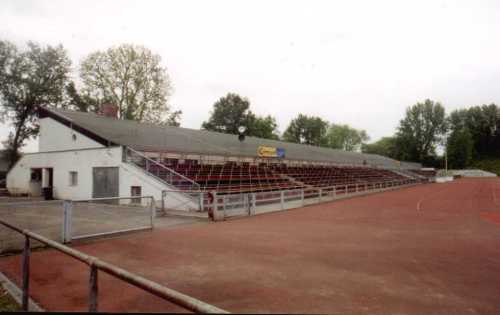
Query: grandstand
[(108, 157)]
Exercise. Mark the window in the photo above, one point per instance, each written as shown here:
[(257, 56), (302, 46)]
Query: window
[(73, 178)]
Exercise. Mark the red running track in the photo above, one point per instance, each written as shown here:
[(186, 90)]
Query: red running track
[(427, 249)]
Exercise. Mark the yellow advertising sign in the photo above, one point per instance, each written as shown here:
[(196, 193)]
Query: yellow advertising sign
[(265, 151)]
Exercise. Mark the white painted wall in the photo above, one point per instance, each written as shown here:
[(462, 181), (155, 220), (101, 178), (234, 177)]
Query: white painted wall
[(82, 161), (55, 136)]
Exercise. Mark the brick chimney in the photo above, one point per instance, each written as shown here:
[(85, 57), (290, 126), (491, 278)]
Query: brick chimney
[(109, 110)]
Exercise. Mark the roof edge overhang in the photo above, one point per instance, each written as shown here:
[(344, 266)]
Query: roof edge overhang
[(44, 112)]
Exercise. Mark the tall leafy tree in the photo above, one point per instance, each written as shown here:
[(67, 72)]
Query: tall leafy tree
[(29, 78), (233, 111), (483, 122), (307, 130), (345, 137), (131, 77), (421, 131), (386, 146), (459, 148)]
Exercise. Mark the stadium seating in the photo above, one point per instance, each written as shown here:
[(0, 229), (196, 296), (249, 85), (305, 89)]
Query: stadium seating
[(232, 177)]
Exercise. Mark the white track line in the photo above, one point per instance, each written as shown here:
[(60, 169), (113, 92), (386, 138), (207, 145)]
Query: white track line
[(427, 197), (493, 192)]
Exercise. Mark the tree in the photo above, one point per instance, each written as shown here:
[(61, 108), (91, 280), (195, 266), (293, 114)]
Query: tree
[(345, 137), (233, 111), (459, 148), (483, 123), (307, 130), (421, 131), (386, 146), (36, 76), (132, 78), (263, 127)]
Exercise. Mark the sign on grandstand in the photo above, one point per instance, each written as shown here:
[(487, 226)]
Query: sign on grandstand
[(265, 151)]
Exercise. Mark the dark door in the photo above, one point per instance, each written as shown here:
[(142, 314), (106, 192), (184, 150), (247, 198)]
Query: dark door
[(105, 182)]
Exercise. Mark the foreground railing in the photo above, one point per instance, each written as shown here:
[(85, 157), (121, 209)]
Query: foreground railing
[(95, 265)]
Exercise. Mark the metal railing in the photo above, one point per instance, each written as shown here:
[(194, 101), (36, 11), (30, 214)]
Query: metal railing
[(252, 202), (95, 264), (68, 209), (159, 170)]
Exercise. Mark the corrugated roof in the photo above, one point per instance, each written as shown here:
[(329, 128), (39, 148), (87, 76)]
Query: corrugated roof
[(150, 137)]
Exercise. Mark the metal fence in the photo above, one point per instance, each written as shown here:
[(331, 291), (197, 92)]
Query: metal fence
[(83, 219), (95, 264), (230, 205)]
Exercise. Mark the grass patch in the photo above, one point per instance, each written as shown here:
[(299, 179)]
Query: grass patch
[(7, 303), (489, 165)]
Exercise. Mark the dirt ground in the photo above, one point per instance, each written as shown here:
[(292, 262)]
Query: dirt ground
[(46, 218), (426, 249)]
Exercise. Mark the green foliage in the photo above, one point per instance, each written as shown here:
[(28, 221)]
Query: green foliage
[(36, 76), (263, 127), (459, 148), (233, 111), (7, 303), (386, 146), (345, 137), (489, 165), (132, 78), (483, 122), (421, 131), (307, 130)]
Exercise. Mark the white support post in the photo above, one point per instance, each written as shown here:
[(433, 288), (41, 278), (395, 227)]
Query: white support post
[(254, 201), (152, 209), (334, 192), (320, 192), (282, 199), (67, 220), (302, 196)]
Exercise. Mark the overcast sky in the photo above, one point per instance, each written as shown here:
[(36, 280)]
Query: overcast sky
[(355, 62)]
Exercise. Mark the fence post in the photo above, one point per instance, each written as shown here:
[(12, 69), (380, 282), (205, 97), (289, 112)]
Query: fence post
[(202, 200), (282, 199), (93, 289), (302, 196), (152, 208), (67, 221), (334, 192), (320, 192), (254, 202), (163, 195), (26, 274)]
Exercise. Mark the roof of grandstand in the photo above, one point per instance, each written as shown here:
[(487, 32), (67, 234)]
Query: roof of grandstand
[(150, 137)]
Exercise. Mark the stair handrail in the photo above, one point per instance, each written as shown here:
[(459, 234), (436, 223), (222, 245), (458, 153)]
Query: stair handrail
[(195, 184)]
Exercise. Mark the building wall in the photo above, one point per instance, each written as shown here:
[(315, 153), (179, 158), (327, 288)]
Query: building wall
[(55, 136), (83, 161)]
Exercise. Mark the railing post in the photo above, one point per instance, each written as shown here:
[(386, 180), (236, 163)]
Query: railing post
[(254, 203), (26, 274), (282, 199), (152, 208), (320, 192), (334, 192), (67, 221), (202, 207), (147, 165), (163, 195), (93, 289), (302, 196)]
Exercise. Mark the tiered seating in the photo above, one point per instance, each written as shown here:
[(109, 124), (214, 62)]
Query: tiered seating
[(323, 176), (232, 177), (425, 173)]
